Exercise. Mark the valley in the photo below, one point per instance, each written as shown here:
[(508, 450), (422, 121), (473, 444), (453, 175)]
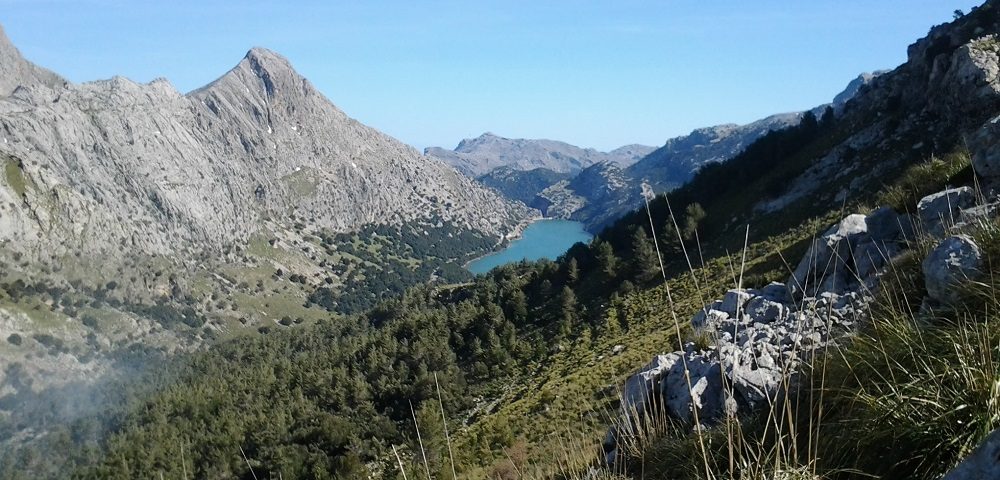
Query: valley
[(242, 281)]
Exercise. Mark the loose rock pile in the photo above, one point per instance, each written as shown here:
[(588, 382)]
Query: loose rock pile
[(760, 336)]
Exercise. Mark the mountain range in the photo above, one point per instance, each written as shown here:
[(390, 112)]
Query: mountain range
[(163, 343), (114, 162), (481, 155), (595, 190)]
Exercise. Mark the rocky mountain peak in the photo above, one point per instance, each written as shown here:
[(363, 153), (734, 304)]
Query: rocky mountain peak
[(468, 145), (267, 62), (261, 73), (214, 166)]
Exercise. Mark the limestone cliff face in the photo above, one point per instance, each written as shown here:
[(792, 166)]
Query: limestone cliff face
[(114, 164), (931, 104)]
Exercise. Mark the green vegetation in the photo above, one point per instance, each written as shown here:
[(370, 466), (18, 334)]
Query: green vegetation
[(380, 262), (523, 186), (523, 362), (14, 174), (925, 178)]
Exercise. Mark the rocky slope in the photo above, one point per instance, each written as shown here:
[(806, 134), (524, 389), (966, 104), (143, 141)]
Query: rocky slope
[(679, 158), (113, 162), (597, 195), (478, 156), (946, 97), (137, 221), (674, 164), (522, 185)]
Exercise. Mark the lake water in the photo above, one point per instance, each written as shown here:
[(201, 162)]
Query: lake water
[(542, 239)]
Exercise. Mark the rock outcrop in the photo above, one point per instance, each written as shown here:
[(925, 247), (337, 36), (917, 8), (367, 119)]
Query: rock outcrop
[(522, 185), (760, 336), (595, 197), (846, 256), (956, 260), (939, 211)]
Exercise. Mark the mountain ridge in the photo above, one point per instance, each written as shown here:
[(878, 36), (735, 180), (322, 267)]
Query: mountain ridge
[(480, 155), (244, 149)]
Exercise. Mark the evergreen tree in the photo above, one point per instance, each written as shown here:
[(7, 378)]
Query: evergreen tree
[(572, 271), (645, 264), (567, 311), (606, 259), (431, 427), (693, 215), (612, 324), (517, 306)]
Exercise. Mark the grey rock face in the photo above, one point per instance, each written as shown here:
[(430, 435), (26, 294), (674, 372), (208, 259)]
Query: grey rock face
[(679, 158), (854, 87), (479, 156), (15, 71), (983, 463), (733, 302), (940, 210), (638, 387), (763, 310), (114, 163), (708, 317), (955, 260), (849, 254), (596, 196), (824, 266), (984, 144), (763, 335)]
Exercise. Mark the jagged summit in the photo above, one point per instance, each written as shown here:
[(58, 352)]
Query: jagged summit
[(214, 166), (272, 73)]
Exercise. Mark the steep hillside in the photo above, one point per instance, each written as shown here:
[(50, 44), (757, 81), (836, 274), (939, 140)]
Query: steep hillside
[(138, 222), (478, 156), (677, 161), (597, 195), (673, 164), (154, 170), (525, 366), (522, 185)]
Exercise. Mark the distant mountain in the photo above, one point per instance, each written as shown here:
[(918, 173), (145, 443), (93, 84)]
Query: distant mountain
[(597, 195), (672, 165), (679, 158), (522, 185), (478, 156)]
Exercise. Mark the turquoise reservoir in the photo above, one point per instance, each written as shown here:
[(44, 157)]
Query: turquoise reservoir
[(542, 239)]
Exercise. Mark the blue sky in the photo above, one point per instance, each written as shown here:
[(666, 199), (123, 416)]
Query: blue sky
[(595, 74)]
